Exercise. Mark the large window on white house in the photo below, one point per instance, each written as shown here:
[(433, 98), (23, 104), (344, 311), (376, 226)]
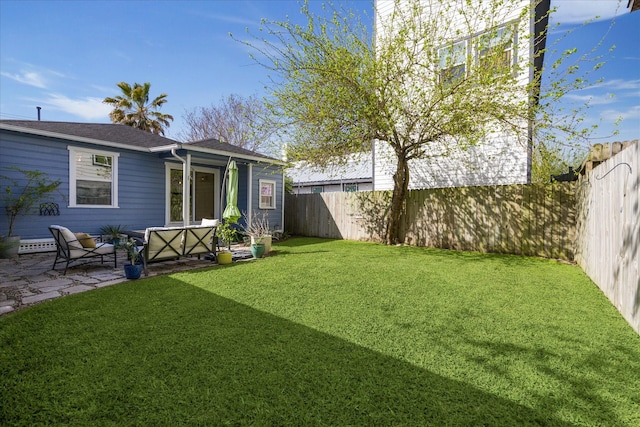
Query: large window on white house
[(93, 178), (494, 48), (267, 194), (453, 62)]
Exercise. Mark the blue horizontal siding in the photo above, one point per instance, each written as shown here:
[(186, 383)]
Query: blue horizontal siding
[(141, 196), (141, 185)]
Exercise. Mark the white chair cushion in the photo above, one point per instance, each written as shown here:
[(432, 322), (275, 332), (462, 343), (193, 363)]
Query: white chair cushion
[(69, 238)]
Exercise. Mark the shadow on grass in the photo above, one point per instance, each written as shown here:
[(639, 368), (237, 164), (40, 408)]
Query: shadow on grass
[(159, 352)]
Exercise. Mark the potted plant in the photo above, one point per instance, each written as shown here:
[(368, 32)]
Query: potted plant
[(113, 232), (258, 230), (19, 197), (133, 269), (227, 234)]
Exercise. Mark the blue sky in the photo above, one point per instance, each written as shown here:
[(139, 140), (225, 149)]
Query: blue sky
[(66, 56)]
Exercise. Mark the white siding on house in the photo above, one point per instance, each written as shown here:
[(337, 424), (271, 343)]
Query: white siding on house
[(501, 159)]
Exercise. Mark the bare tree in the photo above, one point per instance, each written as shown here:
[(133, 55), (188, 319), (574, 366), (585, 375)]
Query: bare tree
[(235, 120)]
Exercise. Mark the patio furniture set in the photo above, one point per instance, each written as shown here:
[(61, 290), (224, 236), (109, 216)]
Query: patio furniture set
[(154, 244)]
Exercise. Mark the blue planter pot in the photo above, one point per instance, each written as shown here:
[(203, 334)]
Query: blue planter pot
[(257, 250), (132, 271)]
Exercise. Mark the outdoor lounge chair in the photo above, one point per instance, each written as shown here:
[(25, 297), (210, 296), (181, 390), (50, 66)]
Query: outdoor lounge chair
[(72, 248)]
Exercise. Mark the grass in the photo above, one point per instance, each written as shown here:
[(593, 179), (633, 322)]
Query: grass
[(329, 333)]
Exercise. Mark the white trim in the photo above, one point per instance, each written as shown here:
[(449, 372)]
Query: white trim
[(273, 196), (168, 166), (73, 150), (282, 202), (250, 193)]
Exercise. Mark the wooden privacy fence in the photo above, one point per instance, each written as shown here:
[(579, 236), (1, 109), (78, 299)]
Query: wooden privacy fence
[(533, 219)]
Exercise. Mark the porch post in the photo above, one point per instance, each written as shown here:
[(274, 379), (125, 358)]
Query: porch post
[(186, 190)]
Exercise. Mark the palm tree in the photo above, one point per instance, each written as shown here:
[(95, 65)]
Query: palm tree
[(132, 108)]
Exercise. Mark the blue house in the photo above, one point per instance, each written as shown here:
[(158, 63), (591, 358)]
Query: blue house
[(114, 174)]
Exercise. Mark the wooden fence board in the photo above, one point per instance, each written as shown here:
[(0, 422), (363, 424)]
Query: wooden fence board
[(537, 220)]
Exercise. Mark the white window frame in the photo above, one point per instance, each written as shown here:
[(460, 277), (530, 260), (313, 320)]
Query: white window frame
[(73, 155), (453, 56), (261, 204), (504, 36)]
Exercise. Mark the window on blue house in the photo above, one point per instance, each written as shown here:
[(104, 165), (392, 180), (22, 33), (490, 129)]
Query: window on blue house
[(267, 194), (92, 178)]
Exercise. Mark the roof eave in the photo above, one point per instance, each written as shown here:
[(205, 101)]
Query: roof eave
[(68, 137)]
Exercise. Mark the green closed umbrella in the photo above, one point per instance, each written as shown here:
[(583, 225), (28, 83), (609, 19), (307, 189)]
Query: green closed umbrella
[(231, 213)]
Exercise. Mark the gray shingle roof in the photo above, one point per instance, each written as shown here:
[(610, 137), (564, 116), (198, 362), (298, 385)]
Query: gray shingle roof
[(125, 135)]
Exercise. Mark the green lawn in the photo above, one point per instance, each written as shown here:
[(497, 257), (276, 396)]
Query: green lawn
[(329, 333)]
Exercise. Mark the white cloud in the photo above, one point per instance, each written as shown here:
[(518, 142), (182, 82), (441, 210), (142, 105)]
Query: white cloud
[(580, 11), (30, 78), (593, 99), (612, 115), (617, 84), (88, 108)]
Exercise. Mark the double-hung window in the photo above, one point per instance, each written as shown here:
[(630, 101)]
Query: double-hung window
[(495, 49), (267, 194), (93, 178), (453, 62)]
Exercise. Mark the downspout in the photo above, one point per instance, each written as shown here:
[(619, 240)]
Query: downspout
[(250, 195), (284, 184), (186, 166)]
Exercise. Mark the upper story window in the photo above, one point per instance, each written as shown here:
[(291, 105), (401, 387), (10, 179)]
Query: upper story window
[(267, 194), (93, 178), (493, 49), (453, 62)]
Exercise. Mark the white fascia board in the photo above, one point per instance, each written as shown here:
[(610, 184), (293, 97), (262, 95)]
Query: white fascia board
[(68, 137), (233, 155)]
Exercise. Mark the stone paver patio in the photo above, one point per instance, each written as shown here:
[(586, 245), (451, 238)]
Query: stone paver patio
[(28, 279)]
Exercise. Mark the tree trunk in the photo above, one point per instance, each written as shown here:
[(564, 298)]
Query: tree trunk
[(400, 188)]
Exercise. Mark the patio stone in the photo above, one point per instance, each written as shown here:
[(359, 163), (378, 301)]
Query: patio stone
[(14, 284), (28, 279), (52, 283), (85, 280), (41, 297), (77, 289), (7, 302), (6, 309), (52, 288)]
